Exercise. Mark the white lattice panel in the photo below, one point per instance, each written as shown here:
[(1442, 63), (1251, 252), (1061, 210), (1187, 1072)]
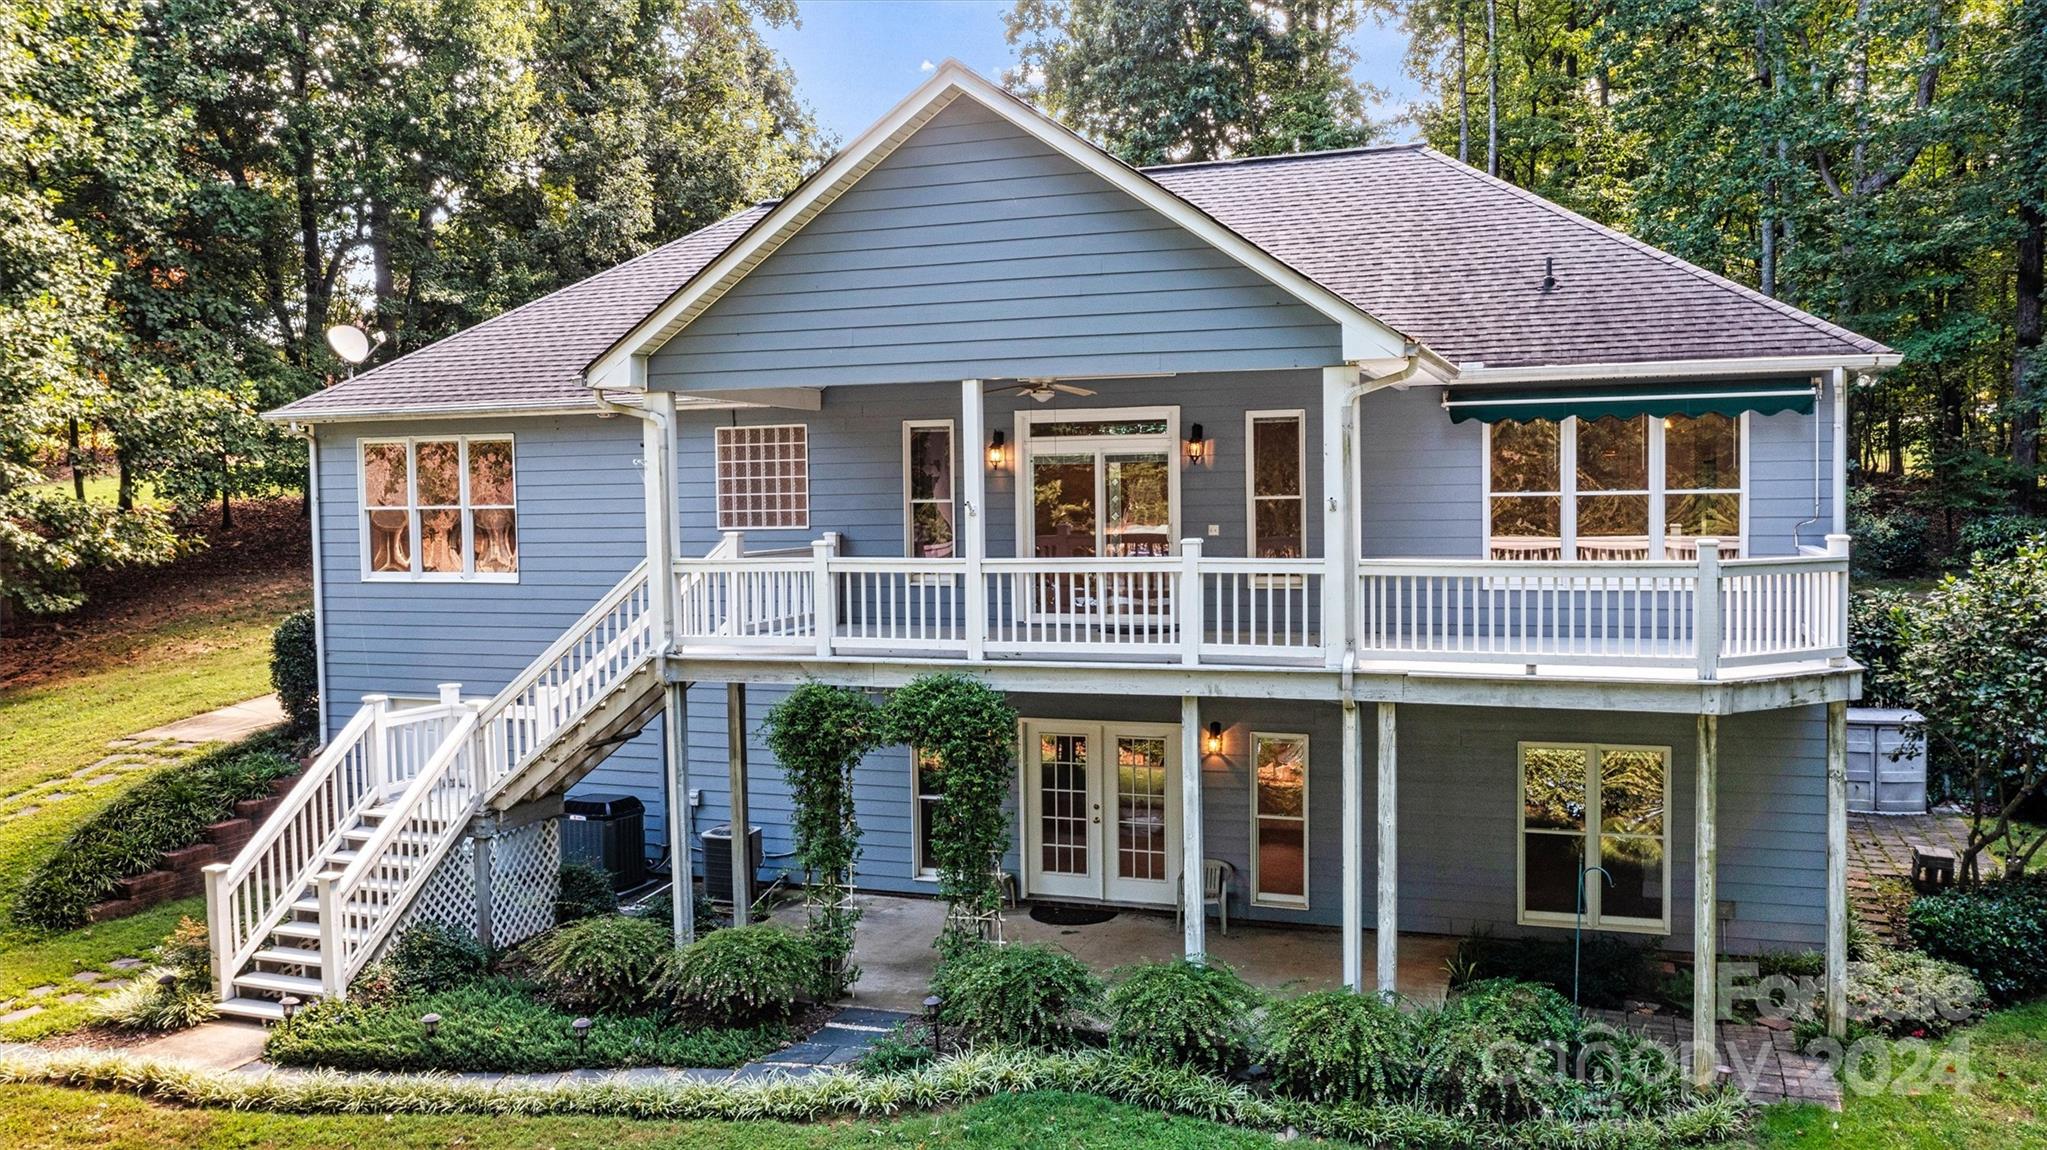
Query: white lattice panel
[(525, 877), (448, 895)]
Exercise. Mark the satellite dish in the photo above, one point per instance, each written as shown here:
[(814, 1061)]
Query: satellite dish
[(349, 342)]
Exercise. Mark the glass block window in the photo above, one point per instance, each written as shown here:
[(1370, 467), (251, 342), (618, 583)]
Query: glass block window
[(763, 477)]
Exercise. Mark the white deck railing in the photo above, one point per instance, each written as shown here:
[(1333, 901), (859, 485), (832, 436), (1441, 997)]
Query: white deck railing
[(1196, 610)]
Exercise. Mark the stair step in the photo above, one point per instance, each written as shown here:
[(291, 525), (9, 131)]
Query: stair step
[(281, 983), (307, 931), (360, 835), (288, 954), (261, 1009)]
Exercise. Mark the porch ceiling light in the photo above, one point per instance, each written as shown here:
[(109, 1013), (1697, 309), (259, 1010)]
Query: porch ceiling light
[(1213, 744), (996, 452), (1197, 445)]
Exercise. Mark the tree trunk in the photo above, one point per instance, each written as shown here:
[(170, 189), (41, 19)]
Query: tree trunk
[(1492, 88), (2026, 328), (227, 513), (1463, 93), (124, 479), (77, 464)]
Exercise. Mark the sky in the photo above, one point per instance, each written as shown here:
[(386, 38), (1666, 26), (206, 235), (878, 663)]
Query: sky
[(854, 59)]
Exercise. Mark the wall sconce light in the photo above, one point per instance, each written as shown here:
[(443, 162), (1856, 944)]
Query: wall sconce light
[(1197, 445), (996, 452), (1213, 744)]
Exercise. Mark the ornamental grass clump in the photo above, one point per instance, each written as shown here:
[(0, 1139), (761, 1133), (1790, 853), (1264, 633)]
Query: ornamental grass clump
[(608, 964), (1016, 995), (1184, 1012), (741, 976), (149, 1002), (1340, 1046)]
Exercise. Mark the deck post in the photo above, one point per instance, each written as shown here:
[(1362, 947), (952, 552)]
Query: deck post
[(217, 926), (1339, 511), (824, 605), (1387, 931), (1189, 593), (1706, 904), (974, 497), (1706, 620), (682, 880), (657, 497), (1353, 768), (1837, 548), (333, 981), (1193, 877), (379, 749), (735, 755), (1837, 869)]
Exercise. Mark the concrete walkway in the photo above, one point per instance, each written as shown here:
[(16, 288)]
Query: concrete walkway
[(222, 725)]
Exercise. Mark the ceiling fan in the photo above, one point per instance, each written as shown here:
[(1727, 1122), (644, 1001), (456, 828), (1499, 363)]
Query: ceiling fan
[(1045, 390)]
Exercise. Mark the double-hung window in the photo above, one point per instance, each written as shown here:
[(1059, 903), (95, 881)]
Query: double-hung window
[(1278, 508), (1613, 488), (763, 477), (1586, 806), (1279, 803), (439, 508), (930, 515), (927, 791)]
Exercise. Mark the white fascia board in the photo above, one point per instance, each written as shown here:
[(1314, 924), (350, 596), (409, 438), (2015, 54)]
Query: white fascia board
[(1475, 374), (483, 410), (1363, 336)]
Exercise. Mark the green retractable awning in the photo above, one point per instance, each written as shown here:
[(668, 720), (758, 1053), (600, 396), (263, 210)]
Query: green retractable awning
[(1593, 400)]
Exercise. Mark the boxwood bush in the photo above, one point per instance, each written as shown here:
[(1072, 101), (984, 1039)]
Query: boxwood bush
[(610, 963), (1492, 1051), (432, 956), (295, 670), (1181, 1012), (1025, 994), (1340, 1046), (497, 1025), (163, 813), (584, 891), (1998, 930), (742, 975)]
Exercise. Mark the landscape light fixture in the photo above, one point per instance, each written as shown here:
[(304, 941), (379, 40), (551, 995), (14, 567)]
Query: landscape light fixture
[(432, 1022), (289, 1004), (582, 1028)]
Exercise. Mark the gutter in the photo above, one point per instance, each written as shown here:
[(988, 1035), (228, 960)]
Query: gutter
[(1477, 374)]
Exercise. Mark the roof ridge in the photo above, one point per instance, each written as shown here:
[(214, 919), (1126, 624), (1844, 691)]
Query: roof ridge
[(1321, 153), (1827, 327)]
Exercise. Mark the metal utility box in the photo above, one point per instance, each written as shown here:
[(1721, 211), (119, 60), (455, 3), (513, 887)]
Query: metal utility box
[(608, 831), (718, 859), (1886, 764)]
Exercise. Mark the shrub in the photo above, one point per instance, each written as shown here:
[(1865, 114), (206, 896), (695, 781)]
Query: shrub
[(1877, 622), (608, 964), (1905, 994), (1184, 1013), (146, 1004), (1339, 1046), (1610, 970), (1025, 994), (497, 1025), (295, 670), (1625, 1076), (896, 1052), (1997, 930), (1998, 537), (433, 956), (741, 975), (131, 834), (1493, 1052), (585, 891), (1886, 544)]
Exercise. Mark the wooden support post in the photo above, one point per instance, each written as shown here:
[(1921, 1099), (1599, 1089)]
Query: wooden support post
[(1192, 852), (1388, 931), (824, 604), (675, 726), (1837, 869), (1706, 906), (1706, 610), (1353, 769), (1339, 510), (974, 470), (657, 496), (735, 753)]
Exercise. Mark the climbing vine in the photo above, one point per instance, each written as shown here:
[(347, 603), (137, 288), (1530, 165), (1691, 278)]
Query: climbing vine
[(819, 733), (972, 731)]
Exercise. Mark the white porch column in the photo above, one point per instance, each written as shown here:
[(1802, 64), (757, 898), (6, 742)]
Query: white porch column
[(1353, 769), (657, 479), (1192, 852), (974, 499), (1837, 869), (675, 724), (1706, 905), (1339, 510), (1388, 932), (735, 754)]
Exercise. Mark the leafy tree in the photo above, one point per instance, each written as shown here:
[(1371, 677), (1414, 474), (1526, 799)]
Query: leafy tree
[(1171, 80)]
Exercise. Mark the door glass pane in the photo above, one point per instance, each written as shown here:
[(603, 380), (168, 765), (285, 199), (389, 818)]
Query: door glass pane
[(1550, 871), (1636, 864), (1062, 804), (440, 541), (1613, 454), (1141, 808), (1138, 519), (1631, 792), (383, 474), (1524, 456), (440, 473), (1063, 506), (1553, 788), (490, 473), (1701, 451)]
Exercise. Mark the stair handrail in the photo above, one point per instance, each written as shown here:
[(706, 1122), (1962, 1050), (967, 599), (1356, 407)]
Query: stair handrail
[(236, 931), (343, 949)]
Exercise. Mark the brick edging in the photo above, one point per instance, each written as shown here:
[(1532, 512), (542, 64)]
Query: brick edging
[(180, 875)]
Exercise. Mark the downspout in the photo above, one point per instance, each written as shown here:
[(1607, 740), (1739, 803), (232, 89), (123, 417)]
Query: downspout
[(306, 432)]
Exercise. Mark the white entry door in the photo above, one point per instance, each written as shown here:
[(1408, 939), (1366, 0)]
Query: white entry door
[(1102, 810)]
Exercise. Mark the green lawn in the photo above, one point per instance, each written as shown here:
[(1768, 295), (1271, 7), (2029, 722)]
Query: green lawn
[(57, 1119), (2003, 1108)]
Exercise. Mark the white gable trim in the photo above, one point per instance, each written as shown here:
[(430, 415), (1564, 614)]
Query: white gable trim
[(1364, 337)]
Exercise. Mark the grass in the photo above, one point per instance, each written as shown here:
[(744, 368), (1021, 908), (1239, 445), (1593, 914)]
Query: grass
[(2004, 1105), (64, 1119)]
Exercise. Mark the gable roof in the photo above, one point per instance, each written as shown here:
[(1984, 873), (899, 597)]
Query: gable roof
[(1457, 257)]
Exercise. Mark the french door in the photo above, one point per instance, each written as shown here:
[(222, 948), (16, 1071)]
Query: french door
[(1102, 484), (1102, 810)]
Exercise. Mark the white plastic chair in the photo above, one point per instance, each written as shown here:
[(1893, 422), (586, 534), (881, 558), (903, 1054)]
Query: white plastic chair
[(1217, 877)]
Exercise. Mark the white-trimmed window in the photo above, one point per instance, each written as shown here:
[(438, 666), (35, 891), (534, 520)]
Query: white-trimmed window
[(1587, 805), (439, 507), (930, 513), (1613, 488), (1276, 484), (1279, 820), (926, 792), (763, 477)]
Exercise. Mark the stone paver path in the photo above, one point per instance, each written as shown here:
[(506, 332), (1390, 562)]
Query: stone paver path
[(1765, 1064), (1880, 863)]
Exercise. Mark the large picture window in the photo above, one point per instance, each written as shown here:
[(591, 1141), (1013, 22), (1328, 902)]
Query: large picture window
[(930, 513), (439, 508), (1586, 805), (1279, 852), (1278, 527), (763, 477), (1612, 488)]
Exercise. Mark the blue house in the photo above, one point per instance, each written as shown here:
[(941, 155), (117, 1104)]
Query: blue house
[(1398, 540)]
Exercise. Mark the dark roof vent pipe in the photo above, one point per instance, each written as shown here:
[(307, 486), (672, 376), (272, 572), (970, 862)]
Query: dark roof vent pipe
[(1549, 274)]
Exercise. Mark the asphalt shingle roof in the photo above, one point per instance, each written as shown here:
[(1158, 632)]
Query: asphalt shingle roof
[(1434, 248)]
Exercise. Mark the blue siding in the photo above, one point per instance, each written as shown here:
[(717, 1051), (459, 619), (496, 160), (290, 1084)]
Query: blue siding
[(974, 251)]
